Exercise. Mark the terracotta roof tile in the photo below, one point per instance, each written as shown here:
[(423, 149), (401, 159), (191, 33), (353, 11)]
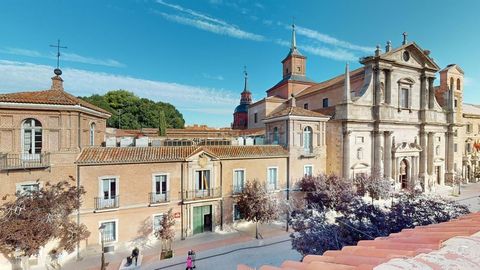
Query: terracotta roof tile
[(52, 97), (403, 250), (112, 155)]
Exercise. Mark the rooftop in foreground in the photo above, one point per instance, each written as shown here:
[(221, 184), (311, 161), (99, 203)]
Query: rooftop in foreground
[(449, 245)]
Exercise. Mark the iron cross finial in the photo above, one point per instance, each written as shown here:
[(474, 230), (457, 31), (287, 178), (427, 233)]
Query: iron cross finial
[(58, 51)]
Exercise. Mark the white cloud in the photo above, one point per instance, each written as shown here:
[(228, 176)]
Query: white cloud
[(207, 23), (324, 38), (65, 56), (212, 77), (335, 54), (18, 76)]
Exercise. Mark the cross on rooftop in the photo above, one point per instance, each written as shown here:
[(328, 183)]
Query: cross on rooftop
[(58, 52)]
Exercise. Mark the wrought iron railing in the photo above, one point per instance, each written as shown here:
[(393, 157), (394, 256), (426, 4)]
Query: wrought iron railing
[(201, 194), (101, 203), (159, 197), (9, 161)]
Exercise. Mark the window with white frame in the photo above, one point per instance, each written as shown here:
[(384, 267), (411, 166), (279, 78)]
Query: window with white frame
[(157, 222), (27, 188), (238, 180), (308, 170), (237, 215), (110, 231), (272, 178), (92, 134), (160, 188), (108, 193), (307, 139), (31, 138)]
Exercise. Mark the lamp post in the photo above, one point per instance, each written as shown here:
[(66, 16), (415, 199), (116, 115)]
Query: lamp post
[(101, 229)]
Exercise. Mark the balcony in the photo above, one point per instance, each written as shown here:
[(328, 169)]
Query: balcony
[(24, 161), (156, 198), (201, 194), (105, 204)]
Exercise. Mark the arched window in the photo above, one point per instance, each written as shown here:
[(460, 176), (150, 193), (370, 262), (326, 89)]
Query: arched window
[(451, 83), (31, 138), (458, 84), (307, 139), (92, 134), (275, 135), (360, 153)]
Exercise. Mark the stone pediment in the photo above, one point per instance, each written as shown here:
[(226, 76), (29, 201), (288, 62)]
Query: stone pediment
[(411, 54), (202, 155), (359, 165), (405, 147)]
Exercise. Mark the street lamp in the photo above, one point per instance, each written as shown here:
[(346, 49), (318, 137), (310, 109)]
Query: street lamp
[(101, 229)]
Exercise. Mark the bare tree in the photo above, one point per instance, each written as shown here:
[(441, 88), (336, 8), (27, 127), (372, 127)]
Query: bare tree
[(166, 233), (37, 217), (257, 204)]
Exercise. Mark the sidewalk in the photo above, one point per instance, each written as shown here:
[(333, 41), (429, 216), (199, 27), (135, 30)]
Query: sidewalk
[(205, 244)]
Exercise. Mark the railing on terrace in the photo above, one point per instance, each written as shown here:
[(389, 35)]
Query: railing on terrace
[(201, 194), (155, 198), (101, 203), (237, 189), (10, 161)]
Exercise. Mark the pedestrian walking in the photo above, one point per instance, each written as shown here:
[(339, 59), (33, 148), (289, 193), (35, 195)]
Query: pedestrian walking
[(189, 263), (192, 255)]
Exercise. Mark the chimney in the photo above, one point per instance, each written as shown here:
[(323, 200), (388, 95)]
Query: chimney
[(57, 81)]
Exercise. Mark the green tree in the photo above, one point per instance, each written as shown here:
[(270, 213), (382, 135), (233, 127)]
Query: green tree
[(131, 112), (162, 127)]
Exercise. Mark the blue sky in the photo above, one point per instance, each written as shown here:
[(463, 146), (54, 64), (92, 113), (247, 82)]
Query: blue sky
[(192, 53)]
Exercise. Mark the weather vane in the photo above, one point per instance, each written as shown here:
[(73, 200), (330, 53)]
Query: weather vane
[(57, 71)]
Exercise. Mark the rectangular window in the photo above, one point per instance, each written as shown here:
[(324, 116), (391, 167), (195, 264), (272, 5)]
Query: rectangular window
[(255, 119), (455, 146), (203, 180), (455, 103), (305, 106), (404, 98), (238, 180), (110, 231), (325, 102), (27, 188), (237, 215), (160, 188), (109, 188), (359, 139), (469, 128), (469, 148), (272, 178), (157, 221), (308, 170)]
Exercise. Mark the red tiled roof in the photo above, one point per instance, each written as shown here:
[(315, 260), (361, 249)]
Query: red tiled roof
[(407, 244), (52, 97), (298, 111), (339, 79), (112, 155)]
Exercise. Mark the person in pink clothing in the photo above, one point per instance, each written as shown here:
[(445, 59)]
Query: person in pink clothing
[(189, 263)]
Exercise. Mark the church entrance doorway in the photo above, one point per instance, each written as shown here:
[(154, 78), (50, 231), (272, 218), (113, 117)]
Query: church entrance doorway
[(403, 175)]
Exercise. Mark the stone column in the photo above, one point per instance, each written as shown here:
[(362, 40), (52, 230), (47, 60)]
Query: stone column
[(423, 154), (346, 153), (377, 144), (377, 97), (388, 86), (450, 155), (387, 155), (431, 93), (430, 156), (424, 93)]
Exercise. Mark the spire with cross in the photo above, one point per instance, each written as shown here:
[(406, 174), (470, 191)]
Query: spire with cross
[(246, 77), (57, 71)]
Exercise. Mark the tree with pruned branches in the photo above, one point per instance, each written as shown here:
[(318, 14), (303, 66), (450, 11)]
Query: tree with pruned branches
[(257, 204), (35, 218)]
